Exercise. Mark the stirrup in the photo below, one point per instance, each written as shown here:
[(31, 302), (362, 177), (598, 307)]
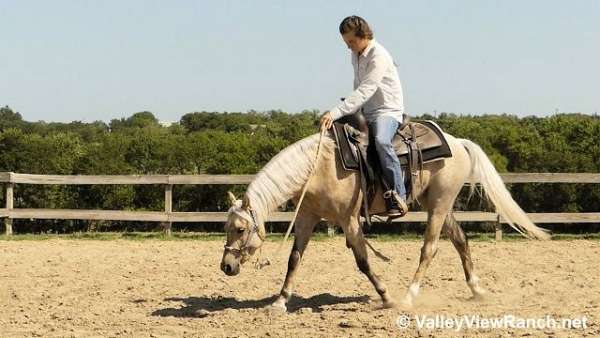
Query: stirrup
[(396, 201)]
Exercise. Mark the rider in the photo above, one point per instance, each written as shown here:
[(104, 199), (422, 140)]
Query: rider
[(377, 90)]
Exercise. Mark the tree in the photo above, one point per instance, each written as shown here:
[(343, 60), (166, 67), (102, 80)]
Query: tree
[(138, 120), (9, 118)]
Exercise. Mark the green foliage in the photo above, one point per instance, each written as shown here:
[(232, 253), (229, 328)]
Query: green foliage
[(242, 143), (138, 120)]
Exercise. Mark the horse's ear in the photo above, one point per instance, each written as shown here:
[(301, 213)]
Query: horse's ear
[(245, 203), (232, 198)]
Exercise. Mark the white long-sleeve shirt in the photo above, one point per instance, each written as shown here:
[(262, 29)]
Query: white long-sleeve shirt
[(377, 87)]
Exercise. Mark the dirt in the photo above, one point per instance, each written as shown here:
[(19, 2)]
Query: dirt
[(153, 288)]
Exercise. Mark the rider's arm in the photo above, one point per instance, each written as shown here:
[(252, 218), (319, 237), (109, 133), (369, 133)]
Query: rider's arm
[(364, 91)]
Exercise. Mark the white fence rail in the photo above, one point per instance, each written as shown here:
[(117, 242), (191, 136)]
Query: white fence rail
[(168, 216)]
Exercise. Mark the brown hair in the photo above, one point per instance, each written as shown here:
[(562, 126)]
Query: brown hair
[(357, 25)]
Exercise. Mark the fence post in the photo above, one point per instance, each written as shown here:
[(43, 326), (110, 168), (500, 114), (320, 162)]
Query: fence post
[(330, 230), (9, 206), (168, 208), (498, 230)]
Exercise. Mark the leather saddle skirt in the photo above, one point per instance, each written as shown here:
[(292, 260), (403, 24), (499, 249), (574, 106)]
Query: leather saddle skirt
[(351, 133)]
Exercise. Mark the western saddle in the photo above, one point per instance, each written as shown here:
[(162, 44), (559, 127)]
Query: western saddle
[(415, 143)]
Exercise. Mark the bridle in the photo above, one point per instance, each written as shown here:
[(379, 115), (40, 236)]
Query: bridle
[(242, 250)]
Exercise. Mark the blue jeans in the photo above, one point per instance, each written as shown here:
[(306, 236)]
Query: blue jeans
[(383, 130)]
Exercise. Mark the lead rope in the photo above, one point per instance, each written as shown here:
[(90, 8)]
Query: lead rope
[(259, 265), (312, 171)]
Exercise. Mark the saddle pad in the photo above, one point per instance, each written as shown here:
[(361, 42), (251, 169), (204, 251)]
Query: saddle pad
[(430, 138)]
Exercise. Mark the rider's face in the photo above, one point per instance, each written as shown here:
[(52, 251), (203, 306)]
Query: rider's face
[(354, 43)]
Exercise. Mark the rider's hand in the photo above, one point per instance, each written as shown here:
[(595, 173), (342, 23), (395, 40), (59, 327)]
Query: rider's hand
[(326, 121)]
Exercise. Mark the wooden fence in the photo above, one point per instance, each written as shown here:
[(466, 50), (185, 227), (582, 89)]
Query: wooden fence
[(168, 216)]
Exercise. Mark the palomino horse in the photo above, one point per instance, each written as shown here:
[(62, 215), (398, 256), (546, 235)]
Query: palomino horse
[(334, 193)]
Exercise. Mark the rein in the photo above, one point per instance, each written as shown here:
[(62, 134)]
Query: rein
[(312, 171), (289, 230), (259, 265)]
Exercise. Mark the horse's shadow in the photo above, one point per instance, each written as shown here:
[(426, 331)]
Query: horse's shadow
[(212, 305)]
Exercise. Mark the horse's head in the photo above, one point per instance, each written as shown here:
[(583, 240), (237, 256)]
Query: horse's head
[(244, 235)]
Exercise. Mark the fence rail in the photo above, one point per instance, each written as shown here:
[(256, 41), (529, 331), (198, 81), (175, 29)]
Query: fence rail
[(7, 177), (169, 216)]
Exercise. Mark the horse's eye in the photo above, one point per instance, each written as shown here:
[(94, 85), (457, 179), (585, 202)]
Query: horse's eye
[(240, 230)]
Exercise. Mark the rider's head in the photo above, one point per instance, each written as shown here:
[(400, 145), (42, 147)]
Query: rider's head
[(356, 33)]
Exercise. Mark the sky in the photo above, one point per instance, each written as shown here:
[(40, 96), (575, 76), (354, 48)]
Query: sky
[(98, 60)]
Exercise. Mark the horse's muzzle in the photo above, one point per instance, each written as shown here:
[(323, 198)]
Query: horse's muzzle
[(229, 269)]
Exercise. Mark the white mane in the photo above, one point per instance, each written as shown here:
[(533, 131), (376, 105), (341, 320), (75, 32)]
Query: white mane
[(284, 176)]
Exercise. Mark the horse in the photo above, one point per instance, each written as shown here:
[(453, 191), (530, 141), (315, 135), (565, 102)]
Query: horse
[(334, 194)]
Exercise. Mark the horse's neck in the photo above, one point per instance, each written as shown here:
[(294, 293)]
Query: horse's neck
[(284, 176)]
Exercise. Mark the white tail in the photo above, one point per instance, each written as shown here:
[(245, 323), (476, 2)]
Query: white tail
[(483, 171)]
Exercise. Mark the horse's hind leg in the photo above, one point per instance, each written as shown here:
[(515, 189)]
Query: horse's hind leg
[(303, 229), (435, 221), (460, 242), (356, 241)]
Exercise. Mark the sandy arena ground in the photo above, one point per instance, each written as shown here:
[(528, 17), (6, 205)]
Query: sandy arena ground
[(121, 288)]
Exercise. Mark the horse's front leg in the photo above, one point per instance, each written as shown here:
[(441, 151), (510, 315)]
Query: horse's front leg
[(304, 226), (355, 239)]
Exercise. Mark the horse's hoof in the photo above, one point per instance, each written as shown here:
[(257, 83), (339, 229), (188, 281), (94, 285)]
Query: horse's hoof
[(390, 304), (277, 307), (406, 304), (479, 296)]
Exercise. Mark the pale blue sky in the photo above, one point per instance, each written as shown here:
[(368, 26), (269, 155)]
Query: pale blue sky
[(90, 60)]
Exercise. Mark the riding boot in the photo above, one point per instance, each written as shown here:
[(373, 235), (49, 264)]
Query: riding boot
[(396, 206)]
